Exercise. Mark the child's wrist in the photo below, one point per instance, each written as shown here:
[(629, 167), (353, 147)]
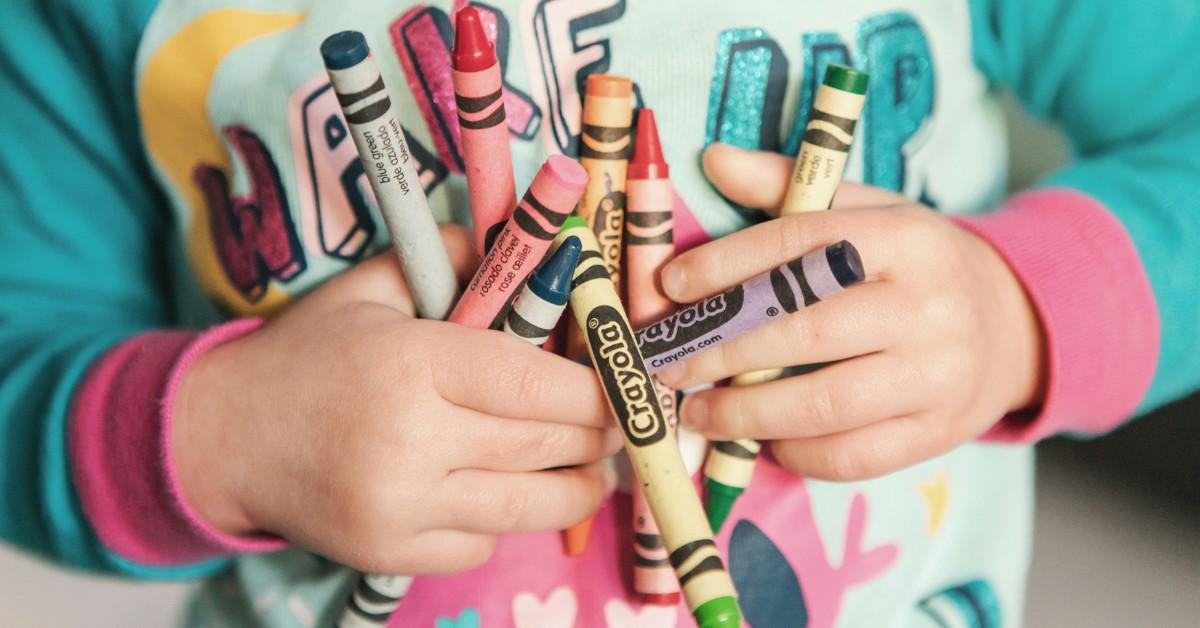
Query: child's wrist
[(202, 447)]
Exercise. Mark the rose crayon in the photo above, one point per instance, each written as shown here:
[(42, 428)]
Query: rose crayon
[(487, 158), (522, 243)]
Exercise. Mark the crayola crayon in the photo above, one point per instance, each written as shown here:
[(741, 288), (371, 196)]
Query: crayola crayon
[(373, 600), (649, 244), (536, 312), (722, 317), (487, 158), (650, 442), (604, 150), (827, 138), (820, 163), (522, 244), (391, 171)]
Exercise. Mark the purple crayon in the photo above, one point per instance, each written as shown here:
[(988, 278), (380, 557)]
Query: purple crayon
[(719, 318)]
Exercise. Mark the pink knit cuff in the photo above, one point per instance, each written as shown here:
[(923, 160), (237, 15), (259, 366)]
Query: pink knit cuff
[(1084, 276), (119, 441)]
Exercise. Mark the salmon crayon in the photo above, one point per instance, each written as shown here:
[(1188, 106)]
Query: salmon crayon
[(760, 300), (521, 244), (373, 600), (649, 245), (604, 149), (487, 159), (391, 170), (827, 138), (651, 444), (828, 134), (536, 312)]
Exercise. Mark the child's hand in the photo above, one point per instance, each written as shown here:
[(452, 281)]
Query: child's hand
[(936, 347), (387, 443)]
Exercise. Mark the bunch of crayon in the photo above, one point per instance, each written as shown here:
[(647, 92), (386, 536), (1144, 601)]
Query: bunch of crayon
[(537, 258)]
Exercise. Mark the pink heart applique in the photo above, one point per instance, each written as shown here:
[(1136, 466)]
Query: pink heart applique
[(558, 611), (618, 614)]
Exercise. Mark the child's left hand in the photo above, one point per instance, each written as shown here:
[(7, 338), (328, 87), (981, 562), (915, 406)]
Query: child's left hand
[(937, 346)]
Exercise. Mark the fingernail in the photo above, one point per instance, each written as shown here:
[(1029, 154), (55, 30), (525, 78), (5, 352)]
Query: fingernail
[(694, 413), (610, 476), (672, 375), (673, 279)]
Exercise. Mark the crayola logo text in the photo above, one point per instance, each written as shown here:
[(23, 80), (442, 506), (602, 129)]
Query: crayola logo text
[(624, 377), (691, 323)]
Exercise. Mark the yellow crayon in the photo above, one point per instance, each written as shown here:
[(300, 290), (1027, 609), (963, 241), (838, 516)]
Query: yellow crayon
[(820, 163), (650, 443)]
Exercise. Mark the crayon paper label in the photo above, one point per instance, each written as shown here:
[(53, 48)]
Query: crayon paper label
[(692, 322), (624, 377)]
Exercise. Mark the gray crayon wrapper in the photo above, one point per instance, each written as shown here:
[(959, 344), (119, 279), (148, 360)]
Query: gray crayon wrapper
[(708, 323)]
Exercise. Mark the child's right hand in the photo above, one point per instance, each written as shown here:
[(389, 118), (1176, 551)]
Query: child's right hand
[(387, 443)]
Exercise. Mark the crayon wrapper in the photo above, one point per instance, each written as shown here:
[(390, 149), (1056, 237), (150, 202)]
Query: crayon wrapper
[(824, 152)]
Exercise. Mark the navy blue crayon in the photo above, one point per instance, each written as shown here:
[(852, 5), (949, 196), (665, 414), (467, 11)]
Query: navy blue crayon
[(536, 312)]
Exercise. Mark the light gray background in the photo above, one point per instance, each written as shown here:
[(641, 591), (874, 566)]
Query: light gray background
[(1107, 553)]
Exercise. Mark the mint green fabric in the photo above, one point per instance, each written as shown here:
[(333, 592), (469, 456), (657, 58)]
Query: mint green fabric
[(1121, 78)]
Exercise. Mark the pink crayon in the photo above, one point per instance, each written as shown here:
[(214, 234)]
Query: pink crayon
[(522, 243), (479, 94)]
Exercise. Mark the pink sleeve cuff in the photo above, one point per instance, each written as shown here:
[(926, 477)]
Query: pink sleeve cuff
[(119, 441), (1084, 277)]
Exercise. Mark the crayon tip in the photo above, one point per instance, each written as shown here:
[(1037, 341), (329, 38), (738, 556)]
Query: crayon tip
[(845, 263), (552, 282), (721, 612), (661, 599), (344, 50), (721, 498), (575, 538), (473, 51), (574, 222), (846, 79), (647, 161), (607, 85)]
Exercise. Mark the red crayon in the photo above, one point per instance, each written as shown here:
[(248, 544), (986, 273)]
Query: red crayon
[(521, 245), (649, 244), (479, 95)]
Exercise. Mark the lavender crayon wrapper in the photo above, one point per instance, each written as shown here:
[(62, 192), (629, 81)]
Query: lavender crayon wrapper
[(745, 307)]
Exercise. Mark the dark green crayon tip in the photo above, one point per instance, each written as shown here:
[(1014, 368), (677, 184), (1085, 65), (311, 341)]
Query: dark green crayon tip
[(846, 79), (845, 263), (721, 612), (721, 498), (552, 282)]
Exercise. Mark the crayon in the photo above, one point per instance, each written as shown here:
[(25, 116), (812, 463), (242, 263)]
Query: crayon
[(827, 138), (649, 244), (487, 158), (605, 146), (650, 443), (373, 600), (521, 244), (723, 317), (536, 312), (391, 171), (575, 538), (820, 163)]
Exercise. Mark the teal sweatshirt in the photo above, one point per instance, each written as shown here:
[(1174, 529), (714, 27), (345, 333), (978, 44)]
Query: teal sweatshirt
[(170, 165)]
